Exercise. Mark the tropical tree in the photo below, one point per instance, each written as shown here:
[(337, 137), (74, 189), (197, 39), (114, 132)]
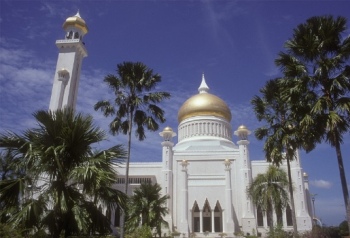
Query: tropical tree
[(147, 207), (269, 192), (64, 180), (316, 70), (282, 135), (134, 106)]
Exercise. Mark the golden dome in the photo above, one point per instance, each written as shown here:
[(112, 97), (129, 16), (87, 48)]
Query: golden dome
[(167, 129), (76, 21), (204, 104)]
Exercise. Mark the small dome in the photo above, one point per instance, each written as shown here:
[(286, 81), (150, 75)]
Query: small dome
[(167, 129), (204, 104), (242, 127), (76, 21)]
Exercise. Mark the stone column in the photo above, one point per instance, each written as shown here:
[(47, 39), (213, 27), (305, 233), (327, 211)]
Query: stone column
[(229, 224), (201, 220), (212, 221), (184, 194)]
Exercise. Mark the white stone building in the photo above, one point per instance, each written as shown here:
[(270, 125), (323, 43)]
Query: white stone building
[(206, 174)]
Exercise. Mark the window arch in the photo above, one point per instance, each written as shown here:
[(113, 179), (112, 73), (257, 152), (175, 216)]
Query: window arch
[(289, 216), (259, 216), (195, 218), (218, 218)]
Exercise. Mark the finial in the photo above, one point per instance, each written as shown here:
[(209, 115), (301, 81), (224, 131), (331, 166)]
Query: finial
[(203, 88), (78, 14)]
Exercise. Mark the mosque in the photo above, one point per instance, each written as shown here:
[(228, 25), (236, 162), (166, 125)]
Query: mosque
[(205, 173)]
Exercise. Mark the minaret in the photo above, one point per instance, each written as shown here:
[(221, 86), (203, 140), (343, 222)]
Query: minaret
[(70, 57), (167, 160), (244, 168), (304, 218)]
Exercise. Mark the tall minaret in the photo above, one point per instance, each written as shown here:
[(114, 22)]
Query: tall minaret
[(70, 57), (245, 173), (167, 160)]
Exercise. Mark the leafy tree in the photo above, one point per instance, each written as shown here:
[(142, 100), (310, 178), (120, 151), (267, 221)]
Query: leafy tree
[(147, 207), (282, 135), (65, 180), (135, 105), (316, 70), (268, 191)]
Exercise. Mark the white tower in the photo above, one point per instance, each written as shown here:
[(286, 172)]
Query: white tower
[(244, 165), (70, 57), (303, 216), (167, 161)]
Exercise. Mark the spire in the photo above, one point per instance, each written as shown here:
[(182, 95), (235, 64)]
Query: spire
[(78, 14), (203, 88)]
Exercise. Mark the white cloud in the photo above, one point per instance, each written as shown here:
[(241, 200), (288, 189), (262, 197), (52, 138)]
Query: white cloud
[(320, 183)]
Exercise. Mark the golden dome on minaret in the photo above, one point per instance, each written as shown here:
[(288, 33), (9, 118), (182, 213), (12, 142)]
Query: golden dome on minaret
[(204, 104), (76, 21)]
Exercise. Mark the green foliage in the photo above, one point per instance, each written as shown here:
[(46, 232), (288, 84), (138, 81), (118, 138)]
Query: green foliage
[(322, 232), (316, 71), (344, 228), (147, 206), (7, 231), (278, 232), (140, 232), (268, 190), (63, 180), (134, 106)]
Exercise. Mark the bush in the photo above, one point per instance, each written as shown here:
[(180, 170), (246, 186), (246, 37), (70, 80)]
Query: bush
[(322, 232), (8, 232), (141, 232)]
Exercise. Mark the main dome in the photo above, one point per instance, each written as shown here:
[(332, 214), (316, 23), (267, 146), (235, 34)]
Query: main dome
[(204, 104)]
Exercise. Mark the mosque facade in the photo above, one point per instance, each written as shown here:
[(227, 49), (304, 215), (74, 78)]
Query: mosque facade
[(205, 173)]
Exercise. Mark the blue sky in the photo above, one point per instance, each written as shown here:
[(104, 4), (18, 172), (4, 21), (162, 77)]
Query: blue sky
[(233, 42)]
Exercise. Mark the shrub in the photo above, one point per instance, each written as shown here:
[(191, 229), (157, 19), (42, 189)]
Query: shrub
[(141, 232)]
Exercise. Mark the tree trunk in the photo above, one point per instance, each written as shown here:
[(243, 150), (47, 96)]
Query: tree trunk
[(122, 225), (290, 186), (343, 180)]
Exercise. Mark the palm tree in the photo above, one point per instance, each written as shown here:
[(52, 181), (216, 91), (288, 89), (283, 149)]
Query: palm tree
[(282, 136), (317, 70), (268, 191), (135, 105), (65, 180), (147, 208)]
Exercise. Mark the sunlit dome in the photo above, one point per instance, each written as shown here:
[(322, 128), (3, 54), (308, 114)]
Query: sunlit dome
[(204, 104), (76, 21)]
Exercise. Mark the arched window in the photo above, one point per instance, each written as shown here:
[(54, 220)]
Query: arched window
[(217, 218), (259, 216), (117, 217), (69, 35), (76, 35), (289, 216), (206, 217), (196, 219)]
